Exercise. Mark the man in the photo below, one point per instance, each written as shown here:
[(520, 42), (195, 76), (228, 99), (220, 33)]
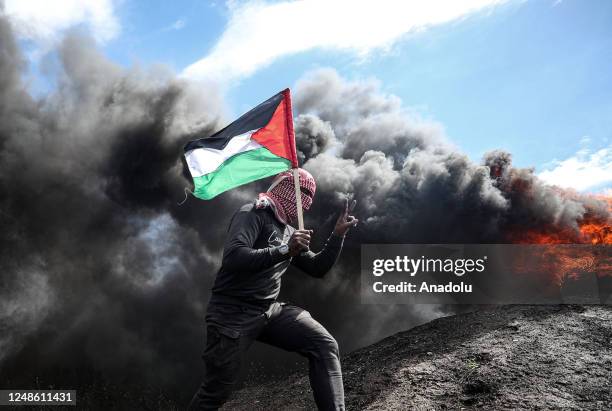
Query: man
[(260, 245)]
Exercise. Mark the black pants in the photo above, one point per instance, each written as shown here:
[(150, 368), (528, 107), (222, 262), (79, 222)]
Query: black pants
[(232, 328)]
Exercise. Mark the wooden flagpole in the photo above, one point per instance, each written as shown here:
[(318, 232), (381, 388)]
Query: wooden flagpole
[(298, 197), (295, 169)]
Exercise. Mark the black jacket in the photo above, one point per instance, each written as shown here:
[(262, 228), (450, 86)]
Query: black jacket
[(252, 265)]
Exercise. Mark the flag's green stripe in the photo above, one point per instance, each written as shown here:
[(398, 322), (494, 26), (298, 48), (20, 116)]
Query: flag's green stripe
[(237, 170)]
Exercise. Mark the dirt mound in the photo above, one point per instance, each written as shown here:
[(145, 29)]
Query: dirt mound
[(505, 357)]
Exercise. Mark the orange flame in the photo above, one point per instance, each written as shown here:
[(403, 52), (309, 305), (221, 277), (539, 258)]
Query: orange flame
[(563, 263), (590, 231), (597, 233)]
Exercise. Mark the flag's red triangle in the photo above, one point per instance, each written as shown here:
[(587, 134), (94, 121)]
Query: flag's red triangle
[(278, 135)]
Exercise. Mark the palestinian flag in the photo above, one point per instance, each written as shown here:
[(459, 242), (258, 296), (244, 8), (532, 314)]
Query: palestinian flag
[(259, 144)]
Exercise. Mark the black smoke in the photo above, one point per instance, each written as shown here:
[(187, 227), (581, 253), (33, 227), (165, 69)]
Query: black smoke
[(105, 278), (411, 184), (102, 274)]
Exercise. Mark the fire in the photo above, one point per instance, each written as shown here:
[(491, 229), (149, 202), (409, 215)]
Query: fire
[(560, 259), (597, 233), (562, 254), (570, 262), (590, 231)]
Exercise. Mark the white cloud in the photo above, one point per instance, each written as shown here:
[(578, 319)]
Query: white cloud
[(43, 20), (258, 33), (584, 171)]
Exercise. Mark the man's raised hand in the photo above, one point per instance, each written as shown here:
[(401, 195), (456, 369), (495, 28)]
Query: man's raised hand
[(345, 220)]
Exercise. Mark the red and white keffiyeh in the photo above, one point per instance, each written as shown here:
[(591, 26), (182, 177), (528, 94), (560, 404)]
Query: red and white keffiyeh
[(281, 195)]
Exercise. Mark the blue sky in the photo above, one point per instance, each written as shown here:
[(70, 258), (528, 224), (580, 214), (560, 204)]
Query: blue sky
[(531, 77)]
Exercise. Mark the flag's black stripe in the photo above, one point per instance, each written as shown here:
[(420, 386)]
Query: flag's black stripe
[(254, 119)]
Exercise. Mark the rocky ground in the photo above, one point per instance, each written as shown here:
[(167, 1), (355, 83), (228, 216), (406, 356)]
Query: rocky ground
[(507, 357)]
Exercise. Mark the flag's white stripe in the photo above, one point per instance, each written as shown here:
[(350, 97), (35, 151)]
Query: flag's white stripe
[(206, 160)]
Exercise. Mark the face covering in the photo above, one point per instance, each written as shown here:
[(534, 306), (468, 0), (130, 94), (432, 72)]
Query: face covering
[(280, 197)]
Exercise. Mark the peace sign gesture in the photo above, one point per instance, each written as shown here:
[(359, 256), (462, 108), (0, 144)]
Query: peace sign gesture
[(345, 220)]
